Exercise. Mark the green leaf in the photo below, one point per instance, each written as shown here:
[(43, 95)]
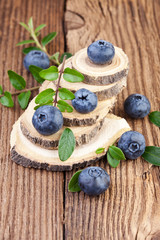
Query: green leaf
[(73, 185), (152, 155), (27, 50), (99, 150), (116, 153), (71, 75), (66, 144), (65, 94), (23, 99), (30, 23), (112, 161), (45, 96), (35, 72), (1, 90), (40, 27), (62, 105), (25, 42), (40, 105), (50, 74), (37, 34), (55, 56), (48, 38), (7, 100), (68, 55), (25, 26), (16, 80), (154, 117), (61, 108)]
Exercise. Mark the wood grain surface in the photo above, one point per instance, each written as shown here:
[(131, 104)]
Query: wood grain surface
[(36, 204), (31, 202)]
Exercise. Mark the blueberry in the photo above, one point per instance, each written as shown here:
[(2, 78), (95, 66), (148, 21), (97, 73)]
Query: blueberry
[(85, 101), (47, 120), (101, 52), (37, 58), (137, 106), (132, 144), (94, 180)]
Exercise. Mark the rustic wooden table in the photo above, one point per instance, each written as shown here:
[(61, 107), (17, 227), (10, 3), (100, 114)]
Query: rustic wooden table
[(36, 204)]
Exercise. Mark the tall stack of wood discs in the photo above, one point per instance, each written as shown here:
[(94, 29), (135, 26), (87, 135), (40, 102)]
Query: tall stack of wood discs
[(96, 129)]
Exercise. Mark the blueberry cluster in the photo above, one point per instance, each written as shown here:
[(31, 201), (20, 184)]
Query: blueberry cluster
[(132, 143), (48, 120)]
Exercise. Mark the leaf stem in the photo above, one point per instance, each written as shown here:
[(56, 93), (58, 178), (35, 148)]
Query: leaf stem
[(59, 79), (36, 40), (25, 90), (43, 48)]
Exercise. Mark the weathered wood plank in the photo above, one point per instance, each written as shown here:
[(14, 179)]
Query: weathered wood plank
[(131, 207), (31, 201)]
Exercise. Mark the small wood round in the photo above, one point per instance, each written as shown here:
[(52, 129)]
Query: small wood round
[(75, 118), (82, 134), (27, 154), (96, 74), (103, 92)]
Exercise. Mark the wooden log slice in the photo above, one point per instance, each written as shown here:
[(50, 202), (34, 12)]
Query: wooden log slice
[(96, 74), (75, 118), (82, 134), (27, 154), (103, 92)]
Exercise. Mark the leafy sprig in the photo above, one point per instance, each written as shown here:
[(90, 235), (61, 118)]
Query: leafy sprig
[(34, 33), (49, 96), (115, 155), (67, 140), (17, 81), (53, 74)]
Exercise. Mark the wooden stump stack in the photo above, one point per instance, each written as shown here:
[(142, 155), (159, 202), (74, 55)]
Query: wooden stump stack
[(94, 130)]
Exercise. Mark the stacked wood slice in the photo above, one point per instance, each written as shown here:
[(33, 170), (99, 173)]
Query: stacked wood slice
[(94, 130)]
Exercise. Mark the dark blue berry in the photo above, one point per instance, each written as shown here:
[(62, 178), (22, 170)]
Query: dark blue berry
[(94, 180), (85, 101), (101, 52), (36, 58), (132, 144), (47, 120), (137, 106)]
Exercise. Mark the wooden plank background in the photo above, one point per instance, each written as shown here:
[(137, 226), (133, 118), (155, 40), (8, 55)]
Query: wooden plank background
[(36, 204)]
